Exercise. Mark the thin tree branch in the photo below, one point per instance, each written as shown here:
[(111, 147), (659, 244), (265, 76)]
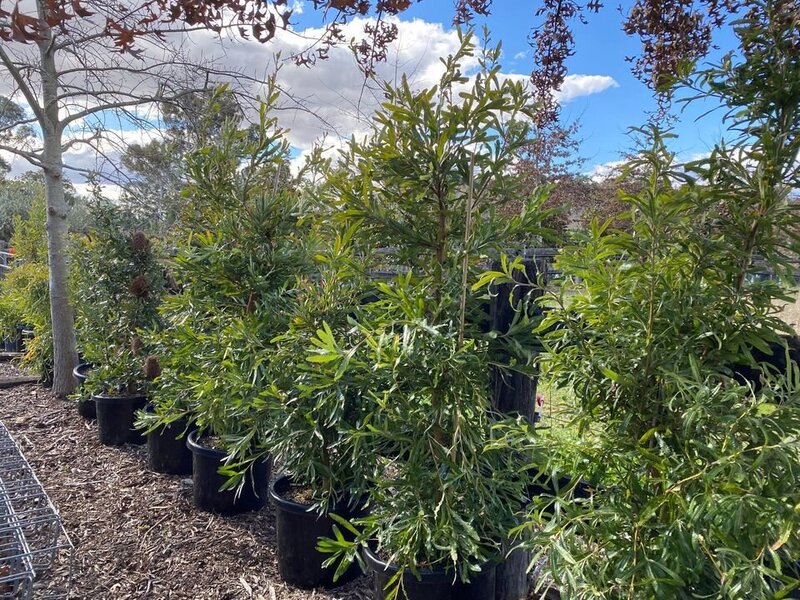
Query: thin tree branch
[(31, 157), (12, 69)]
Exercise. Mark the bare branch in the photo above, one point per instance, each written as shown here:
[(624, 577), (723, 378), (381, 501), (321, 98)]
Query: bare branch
[(14, 71), (32, 157)]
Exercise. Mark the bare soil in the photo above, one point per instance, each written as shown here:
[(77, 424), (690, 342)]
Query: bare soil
[(136, 533)]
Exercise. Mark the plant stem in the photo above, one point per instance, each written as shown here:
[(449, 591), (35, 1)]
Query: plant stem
[(465, 261)]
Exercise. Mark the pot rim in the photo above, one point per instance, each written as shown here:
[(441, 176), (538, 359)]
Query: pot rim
[(282, 482), (198, 448), (111, 399), (277, 487), (375, 563)]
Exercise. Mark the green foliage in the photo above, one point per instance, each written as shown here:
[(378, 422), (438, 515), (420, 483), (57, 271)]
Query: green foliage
[(18, 195), (119, 287), (694, 474), (429, 183), (24, 290), (448, 490), (244, 245), (317, 417), (25, 300), (433, 176)]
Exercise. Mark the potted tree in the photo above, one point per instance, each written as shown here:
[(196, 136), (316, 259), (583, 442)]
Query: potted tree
[(121, 289), (315, 420), (431, 183), (243, 247), (697, 466)]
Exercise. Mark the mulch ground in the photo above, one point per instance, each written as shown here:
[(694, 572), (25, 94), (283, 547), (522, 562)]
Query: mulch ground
[(136, 533)]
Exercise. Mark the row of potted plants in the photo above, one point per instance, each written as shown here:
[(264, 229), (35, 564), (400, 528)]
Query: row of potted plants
[(372, 394)]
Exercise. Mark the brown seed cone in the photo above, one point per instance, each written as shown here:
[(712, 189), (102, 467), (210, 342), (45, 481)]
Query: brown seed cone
[(139, 286), (152, 368), (136, 344), (139, 243)]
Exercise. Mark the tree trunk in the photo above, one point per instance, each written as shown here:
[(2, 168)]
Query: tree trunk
[(65, 355)]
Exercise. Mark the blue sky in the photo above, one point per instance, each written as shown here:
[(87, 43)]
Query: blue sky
[(601, 49), (327, 103)]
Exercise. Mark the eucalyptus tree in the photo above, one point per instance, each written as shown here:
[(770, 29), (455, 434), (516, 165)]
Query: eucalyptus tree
[(157, 168)]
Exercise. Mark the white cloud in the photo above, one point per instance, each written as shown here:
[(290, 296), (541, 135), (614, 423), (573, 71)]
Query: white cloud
[(520, 55), (575, 86), (108, 190), (331, 98), (603, 171)]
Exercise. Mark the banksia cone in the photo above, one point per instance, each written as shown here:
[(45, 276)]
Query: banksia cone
[(152, 368), (139, 286), (136, 344), (139, 243)]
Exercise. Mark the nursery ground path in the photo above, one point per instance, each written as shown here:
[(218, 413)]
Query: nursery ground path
[(136, 532)]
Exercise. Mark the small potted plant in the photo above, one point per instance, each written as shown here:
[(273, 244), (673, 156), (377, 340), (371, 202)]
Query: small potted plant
[(121, 289), (166, 419)]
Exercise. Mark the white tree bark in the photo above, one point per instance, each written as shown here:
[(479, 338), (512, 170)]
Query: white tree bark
[(64, 345)]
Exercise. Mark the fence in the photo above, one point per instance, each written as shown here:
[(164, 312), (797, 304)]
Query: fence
[(36, 554)]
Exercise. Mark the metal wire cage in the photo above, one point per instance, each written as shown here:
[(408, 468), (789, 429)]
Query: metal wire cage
[(36, 554)]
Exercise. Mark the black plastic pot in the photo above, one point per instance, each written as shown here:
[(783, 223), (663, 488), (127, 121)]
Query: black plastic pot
[(16, 343), (81, 372), (115, 417), (86, 407), (434, 584), (207, 482), (167, 451), (298, 528), (13, 344)]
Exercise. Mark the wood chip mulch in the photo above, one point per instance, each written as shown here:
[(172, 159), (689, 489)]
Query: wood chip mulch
[(136, 533)]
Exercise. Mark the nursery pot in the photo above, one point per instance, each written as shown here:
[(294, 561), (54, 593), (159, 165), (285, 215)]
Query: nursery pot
[(207, 481), (298, 527), (433, 584), (167, 451), (115, 417), (13, 344), (86, 407)]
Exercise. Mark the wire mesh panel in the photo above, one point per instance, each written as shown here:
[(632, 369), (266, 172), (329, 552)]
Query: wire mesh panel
[(35, 551)]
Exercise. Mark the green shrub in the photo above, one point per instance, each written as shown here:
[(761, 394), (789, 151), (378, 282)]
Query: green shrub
[(243, 248), (24, 291), (119, 289), (430, 182), (694, 473)]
